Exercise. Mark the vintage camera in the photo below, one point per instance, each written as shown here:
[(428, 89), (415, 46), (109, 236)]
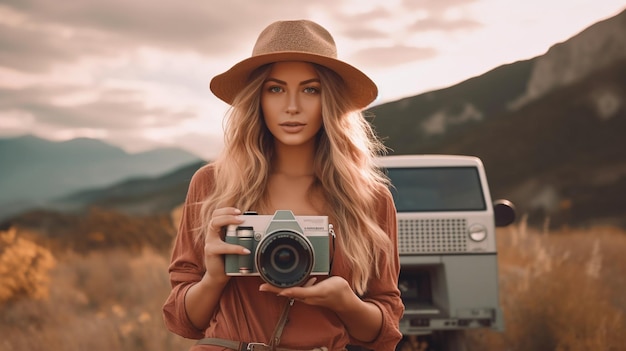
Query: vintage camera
[(285, 249)]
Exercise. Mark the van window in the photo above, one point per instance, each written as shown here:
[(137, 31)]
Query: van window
[(436, 189)]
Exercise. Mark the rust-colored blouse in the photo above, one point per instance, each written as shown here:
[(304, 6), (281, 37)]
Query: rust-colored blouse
[(246, 314)]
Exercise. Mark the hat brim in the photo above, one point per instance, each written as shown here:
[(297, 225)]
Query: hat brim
[(361, 89)]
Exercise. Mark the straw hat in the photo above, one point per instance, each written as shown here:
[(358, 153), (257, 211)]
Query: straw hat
[(300, 40)]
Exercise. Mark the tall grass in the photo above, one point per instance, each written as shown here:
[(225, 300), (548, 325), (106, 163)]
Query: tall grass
[(562, 290), (109, 300)]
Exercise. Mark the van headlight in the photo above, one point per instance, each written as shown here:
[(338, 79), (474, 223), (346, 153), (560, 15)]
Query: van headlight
[(477, 232)]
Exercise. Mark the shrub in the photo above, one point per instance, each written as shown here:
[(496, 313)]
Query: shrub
[(24, 268), (105, 300)]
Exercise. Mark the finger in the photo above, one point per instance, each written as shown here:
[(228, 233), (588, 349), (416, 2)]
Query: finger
[(223, 248), (236, 249), (226, 211), (298, 292), (279, 291), (223, 217), (269, 288), (310, 282)]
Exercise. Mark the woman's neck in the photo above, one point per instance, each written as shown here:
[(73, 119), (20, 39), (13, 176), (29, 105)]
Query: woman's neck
[(294, 161)]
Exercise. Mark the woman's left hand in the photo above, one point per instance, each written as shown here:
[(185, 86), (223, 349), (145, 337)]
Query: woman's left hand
[(362, 319), (333, 293)]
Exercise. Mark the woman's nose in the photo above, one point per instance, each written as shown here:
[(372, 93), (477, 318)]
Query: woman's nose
[(293, 105)]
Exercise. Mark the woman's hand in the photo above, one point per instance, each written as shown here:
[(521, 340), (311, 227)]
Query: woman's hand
[(362, 319), (333, 293), (201, 298), (215, 247)]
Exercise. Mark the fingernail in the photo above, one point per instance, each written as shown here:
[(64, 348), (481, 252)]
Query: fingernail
[(246, 251), (237, 211)]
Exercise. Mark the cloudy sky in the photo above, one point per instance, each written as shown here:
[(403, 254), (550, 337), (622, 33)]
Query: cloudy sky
[(135, 73)]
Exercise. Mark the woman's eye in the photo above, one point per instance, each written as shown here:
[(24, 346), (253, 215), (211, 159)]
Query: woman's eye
[(311, 90), (275, 89)]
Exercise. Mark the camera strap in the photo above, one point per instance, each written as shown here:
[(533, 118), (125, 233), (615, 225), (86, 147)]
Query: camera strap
[(333, 236), (278, 331)]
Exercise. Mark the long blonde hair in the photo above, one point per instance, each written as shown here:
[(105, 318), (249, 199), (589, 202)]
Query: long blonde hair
[(344, 167)]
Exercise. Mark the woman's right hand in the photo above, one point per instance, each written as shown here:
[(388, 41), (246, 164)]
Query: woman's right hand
[(215, 247), (201, 298)]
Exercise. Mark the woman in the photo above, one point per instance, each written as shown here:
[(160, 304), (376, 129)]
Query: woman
[(295, 139)]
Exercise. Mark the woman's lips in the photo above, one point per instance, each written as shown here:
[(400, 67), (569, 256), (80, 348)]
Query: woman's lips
[(292, 127)]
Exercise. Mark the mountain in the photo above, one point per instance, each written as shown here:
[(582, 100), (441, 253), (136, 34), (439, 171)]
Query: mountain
[(139, 196), (549, 130), (36, 170)]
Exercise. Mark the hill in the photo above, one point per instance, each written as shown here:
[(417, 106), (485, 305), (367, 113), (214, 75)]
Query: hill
[(549, 129), (35, 170), (139, 196)]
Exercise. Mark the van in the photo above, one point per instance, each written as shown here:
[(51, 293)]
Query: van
[(447, 242)]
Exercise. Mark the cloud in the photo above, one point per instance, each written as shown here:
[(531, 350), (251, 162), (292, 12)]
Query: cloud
[(360, 33), (39, 34), (28, 50), (441, 15), (446, 25), (392, 56), (110, 109), (52, 33), (392, 34), (435, 6), (207, 27), (136, 72)]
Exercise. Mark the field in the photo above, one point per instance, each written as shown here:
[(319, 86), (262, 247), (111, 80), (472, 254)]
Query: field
[(560, 290)]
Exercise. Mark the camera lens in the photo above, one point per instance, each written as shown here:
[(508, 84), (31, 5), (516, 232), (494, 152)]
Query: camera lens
[(284, 258)]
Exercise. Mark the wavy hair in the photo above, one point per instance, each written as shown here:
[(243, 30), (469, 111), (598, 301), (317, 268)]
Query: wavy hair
[(345, 172)]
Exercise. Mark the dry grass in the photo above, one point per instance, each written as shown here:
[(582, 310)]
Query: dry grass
[(24, 268), (561, 290), (109, 300)]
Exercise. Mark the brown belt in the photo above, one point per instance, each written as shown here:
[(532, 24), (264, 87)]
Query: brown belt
[(258, 346), (251, 346)]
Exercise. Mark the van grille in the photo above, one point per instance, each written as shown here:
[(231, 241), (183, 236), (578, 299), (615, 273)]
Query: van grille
[(432, 236)]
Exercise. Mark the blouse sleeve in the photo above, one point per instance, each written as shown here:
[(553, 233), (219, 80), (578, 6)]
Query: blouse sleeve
[(383, 291), (187, 263)]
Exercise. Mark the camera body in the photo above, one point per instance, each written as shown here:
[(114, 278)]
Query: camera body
[(285, 249)]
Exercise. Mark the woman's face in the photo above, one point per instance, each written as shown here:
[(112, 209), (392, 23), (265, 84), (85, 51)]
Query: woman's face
[(292, 103)]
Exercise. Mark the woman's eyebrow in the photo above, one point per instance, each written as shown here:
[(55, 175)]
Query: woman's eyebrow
[(312, 80), (304, 82)]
